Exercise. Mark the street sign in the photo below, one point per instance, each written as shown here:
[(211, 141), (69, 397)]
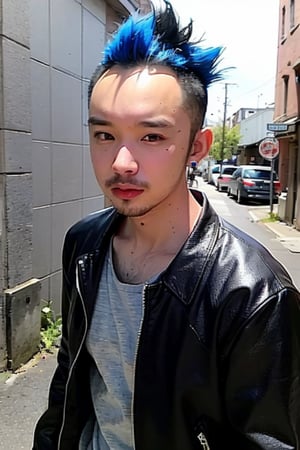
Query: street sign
[(277, 126), (269, 148)]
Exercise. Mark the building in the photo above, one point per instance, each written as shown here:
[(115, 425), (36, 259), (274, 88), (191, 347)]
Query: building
[(48, 51), (253, 129), (287, 106), (241, 114)]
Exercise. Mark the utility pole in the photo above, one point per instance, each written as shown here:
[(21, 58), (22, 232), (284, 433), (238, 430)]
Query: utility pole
[(224, 123)]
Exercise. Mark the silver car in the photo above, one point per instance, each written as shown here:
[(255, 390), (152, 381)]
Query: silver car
[(224, 177)]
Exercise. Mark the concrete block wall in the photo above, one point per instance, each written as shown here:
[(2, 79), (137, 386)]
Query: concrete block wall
[(23, 316), (15, 145), (66, 41), (15, 155)]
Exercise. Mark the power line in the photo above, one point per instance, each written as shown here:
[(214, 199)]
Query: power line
[(258, 87)]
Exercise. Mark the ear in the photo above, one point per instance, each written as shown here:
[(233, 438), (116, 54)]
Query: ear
[(201, 145)]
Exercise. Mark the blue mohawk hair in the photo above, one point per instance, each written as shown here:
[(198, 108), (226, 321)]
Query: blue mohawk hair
[(156, 38)]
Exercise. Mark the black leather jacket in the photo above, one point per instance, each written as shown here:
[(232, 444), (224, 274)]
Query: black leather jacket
[(218, 359)]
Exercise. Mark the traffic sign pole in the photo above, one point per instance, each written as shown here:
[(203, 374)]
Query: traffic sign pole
[(269, 149), (271, 185)]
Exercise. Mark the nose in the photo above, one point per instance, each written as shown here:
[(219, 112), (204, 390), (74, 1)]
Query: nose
[(124, 162)]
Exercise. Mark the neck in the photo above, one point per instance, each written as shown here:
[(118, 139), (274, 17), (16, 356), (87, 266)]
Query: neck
[(145, 246), (161, 229)]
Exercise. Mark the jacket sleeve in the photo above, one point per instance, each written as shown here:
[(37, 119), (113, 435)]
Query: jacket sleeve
[(47, 429), (262, 383)]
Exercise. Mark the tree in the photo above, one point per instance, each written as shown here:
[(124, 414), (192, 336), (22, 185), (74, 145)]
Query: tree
[(231, 139)]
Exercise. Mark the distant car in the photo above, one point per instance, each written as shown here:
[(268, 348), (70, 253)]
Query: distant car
[(213, 174), (253, 182), (205, 175), (224, 177)]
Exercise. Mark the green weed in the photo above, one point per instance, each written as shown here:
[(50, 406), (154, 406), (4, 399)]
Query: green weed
[(272, 217), (50, 327)]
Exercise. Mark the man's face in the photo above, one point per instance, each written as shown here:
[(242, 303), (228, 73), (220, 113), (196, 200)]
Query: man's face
[(139, 137)]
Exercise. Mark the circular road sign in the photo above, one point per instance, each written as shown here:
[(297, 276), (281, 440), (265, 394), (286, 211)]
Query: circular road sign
[(269, 148)]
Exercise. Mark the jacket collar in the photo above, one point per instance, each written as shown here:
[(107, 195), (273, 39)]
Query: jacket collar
[(185, 272)]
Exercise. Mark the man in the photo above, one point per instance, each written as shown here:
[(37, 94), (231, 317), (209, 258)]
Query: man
[(191, 173), (179, 331)]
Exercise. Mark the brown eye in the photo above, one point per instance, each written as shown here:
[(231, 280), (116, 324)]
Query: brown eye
[(153, 138), (103, 136)]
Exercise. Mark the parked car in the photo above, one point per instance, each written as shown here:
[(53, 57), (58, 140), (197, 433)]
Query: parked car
[(213, 173), (253, 182), (224, 177), (206, 169)]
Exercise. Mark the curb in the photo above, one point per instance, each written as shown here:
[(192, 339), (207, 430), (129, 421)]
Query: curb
[(282, 231), (253, 216)]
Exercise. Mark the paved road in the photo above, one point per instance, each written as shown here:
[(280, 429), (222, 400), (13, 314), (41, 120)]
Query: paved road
[(282, 241), (23, 397)]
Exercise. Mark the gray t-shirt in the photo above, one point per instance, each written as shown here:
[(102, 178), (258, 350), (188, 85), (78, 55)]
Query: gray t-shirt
[(112, 342)]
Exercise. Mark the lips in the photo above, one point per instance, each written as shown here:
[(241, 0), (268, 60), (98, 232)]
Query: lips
[(126, 193)]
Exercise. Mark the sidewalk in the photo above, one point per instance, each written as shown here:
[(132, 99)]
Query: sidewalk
[(23, 399), (287, 235)]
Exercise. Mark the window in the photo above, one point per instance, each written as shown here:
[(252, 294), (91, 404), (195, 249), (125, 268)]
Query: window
[(228, 170), (259, 174), (237, 173), (285, 92), (292, 13), (283, 23)]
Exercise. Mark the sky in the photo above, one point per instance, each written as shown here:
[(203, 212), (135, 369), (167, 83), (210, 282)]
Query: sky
[(248, 29)]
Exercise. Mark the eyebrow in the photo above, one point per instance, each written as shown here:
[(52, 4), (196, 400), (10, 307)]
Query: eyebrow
[(93, 120), (156, 123), (149, 123)]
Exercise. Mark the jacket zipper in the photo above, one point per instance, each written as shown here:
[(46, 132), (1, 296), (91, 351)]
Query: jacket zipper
[(76, 357), (134, 364), (203, 441)]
